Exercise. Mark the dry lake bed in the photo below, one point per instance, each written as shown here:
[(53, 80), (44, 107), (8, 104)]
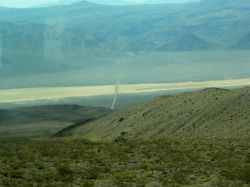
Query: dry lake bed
[(32, 94)]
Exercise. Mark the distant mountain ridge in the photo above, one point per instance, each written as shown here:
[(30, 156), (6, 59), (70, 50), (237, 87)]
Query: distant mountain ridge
[(115, 2), (70, 37), (128, 28)]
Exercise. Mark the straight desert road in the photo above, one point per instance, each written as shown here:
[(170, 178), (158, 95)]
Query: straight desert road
[(31, 94)]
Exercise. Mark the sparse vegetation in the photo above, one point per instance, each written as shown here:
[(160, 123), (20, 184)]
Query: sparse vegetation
[(77, 162), (60, 55), (212, 112)]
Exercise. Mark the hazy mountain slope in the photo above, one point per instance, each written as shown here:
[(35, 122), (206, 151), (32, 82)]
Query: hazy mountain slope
[(44, 120), (128, 2), (186, 42), (169, 41), (167, 1), (120, 27), (207, 113), (40, 48), (227, 3), (86, 35), (243, 43), (44, 37)]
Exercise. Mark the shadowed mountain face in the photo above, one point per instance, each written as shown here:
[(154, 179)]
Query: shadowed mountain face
[(44, 120), (210, 113)]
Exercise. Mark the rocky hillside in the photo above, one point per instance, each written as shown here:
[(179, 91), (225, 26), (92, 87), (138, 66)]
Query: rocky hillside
[(212, 112)]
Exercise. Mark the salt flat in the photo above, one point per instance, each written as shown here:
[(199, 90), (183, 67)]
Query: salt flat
[(31, 94)]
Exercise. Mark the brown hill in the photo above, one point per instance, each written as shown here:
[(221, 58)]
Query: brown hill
[(208, 113)]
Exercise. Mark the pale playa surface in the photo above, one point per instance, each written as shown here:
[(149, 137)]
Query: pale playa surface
[(30, 94)]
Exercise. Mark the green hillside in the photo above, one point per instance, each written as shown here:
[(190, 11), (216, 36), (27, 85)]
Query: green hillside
[(209, 113), (192, 139)]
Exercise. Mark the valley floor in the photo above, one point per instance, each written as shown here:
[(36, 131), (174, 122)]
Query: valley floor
[(49, 93), (77, 162)]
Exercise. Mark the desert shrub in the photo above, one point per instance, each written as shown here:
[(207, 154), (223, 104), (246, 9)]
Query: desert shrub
[(93, 172), (153, 184), (248, 158), (85, 183), (179, 177), (130, 163), (65, 173), (124, 177), (244, 173), (104, 183)]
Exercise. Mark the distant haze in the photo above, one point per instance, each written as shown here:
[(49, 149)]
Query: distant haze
[(79, 44), (32, 3)]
